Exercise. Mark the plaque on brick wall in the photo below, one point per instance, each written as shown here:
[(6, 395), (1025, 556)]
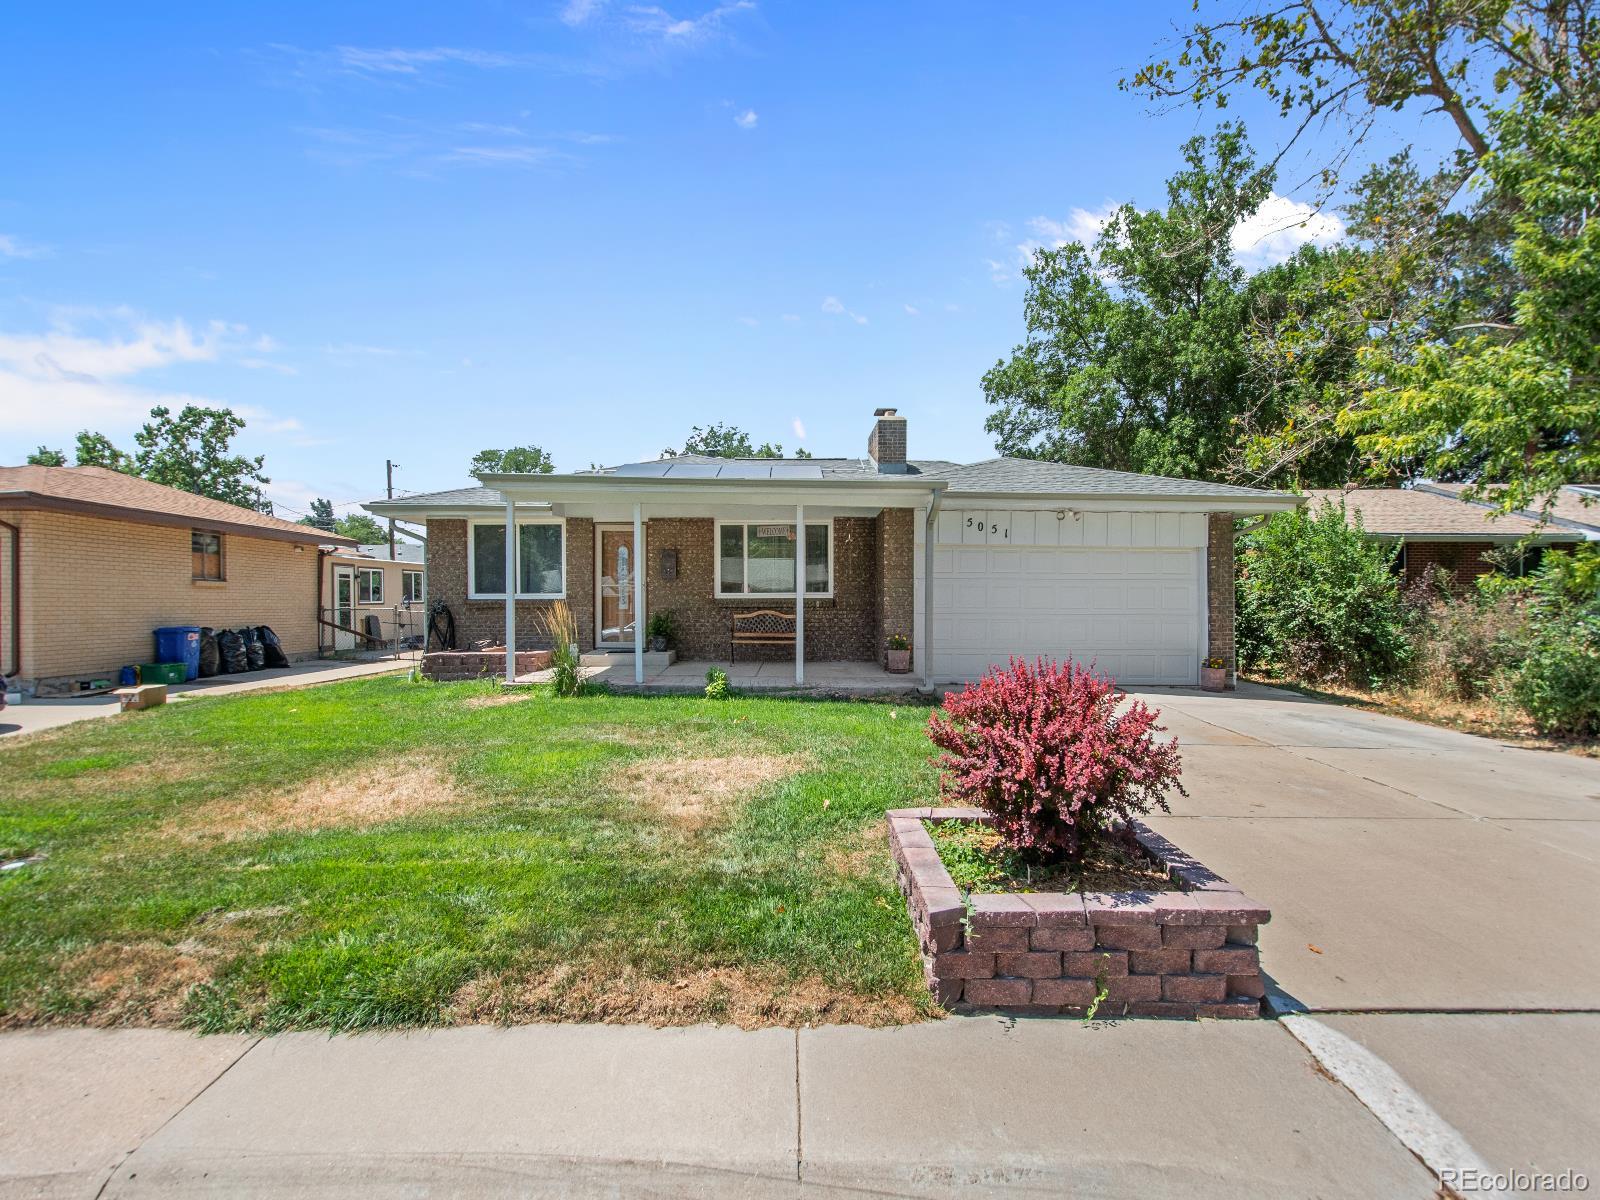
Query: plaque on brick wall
[(669, 564)]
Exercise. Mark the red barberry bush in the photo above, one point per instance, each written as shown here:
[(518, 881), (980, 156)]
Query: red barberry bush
[(1054, 754)]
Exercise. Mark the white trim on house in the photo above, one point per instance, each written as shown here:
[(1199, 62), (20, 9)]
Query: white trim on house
[(473, 593), (406, 589), (366, 578), (800, 563)]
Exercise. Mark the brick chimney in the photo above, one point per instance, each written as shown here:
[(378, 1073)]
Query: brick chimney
[(886, 445)]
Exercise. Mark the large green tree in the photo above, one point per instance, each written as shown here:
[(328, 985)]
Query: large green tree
[(361, 528), (321, 516), (727, 441), (1142, 350), (189, 451), (519, 460), (46, 457), (1473, 282)]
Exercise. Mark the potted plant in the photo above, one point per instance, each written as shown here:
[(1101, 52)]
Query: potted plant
[(1214, 674), (659, 632), (898, 656)]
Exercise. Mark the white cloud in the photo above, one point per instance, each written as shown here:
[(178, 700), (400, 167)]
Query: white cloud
[(15, 247), (1279, 228), (747, 119), (367, 60), (498, 156), (580, 12), (750, 321), (913, 311), (835, 306), (353, 349), (799, 428), (791, 316), (82, 372), (655, 21)]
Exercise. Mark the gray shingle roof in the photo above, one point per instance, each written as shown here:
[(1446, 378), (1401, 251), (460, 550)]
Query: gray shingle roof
[(1031, 476), (1019, 476)]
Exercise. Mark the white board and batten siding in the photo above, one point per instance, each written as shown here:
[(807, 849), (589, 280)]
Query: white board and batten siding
[(1124, 590)]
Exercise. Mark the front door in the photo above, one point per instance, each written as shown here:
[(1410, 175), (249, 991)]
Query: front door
[(344, 607), (614, 568)]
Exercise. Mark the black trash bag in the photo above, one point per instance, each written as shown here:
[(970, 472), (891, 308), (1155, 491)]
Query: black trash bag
[(254, 651), (234, 656), (210, 656), (271, 647)]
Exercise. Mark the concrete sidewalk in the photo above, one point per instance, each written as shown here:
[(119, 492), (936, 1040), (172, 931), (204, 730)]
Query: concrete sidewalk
[(33, 715), (970, 1106)]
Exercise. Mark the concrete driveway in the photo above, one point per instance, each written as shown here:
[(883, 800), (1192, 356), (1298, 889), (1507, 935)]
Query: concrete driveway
[(1406, 867)]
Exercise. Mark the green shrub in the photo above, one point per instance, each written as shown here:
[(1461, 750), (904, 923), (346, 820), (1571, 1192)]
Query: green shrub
[(717, 684), (1319, 599), (1559, 683), (1464, 648)]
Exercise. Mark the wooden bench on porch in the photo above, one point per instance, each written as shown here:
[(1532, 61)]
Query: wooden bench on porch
[(762, 627)]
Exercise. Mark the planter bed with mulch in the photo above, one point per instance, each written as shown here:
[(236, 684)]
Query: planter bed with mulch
[(1189, 951)]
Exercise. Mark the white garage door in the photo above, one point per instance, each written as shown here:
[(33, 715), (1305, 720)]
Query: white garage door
[(1135, 612)]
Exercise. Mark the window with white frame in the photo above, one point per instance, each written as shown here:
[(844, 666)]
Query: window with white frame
[(760, 558), (541, 560), (369, 585), (411, 587)]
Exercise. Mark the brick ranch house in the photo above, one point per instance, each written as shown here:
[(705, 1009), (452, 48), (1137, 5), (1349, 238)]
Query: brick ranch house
[(1438, 531), (1008, 556), (91, 561)]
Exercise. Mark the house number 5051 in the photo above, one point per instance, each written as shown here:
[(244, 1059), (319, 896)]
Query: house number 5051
[(993, 527)]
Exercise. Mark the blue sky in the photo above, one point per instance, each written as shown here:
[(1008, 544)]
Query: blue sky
[(415, 231)]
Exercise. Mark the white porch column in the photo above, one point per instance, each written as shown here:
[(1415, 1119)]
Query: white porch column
[(511, 592), (638, 593), (799, 593)]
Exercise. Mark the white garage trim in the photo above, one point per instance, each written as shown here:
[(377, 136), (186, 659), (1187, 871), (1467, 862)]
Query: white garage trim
[(1126, 590)]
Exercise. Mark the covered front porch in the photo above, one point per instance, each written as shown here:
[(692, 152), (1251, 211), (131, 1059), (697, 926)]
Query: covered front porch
[(618, 671), (826, 563)]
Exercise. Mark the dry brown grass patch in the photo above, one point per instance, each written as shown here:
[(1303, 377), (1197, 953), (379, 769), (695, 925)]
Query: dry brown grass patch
[(860, 854), (694, 791), (367, 795), (143, 983), (496, 699), (747, 997)]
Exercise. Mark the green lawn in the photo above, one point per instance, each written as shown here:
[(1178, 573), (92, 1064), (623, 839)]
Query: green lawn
[(381, 853)]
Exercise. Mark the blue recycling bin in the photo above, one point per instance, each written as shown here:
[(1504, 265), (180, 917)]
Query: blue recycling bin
[(180, 644)]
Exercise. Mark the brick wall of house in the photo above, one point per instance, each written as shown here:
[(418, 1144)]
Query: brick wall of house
[(484, 621), (1220, 586), (840, 629), (896, 555), (94, 588), (1463, 562)]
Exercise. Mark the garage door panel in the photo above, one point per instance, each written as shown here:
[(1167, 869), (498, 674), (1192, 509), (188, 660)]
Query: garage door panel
[(1135, 613)]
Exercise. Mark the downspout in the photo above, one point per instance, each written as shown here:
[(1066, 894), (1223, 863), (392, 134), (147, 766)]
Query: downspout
[(16, 602), (927, 590), (322, 554)]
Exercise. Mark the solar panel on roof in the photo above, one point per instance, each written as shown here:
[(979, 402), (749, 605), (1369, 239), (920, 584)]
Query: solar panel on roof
[(692, 470), (796, 470), (649, 470)]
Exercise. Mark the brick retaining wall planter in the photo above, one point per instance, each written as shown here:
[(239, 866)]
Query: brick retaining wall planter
[(446, 665), (1186, 953)]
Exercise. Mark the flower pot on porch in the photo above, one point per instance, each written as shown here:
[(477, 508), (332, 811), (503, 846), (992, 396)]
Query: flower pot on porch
[(899, 661), (1213, 679)]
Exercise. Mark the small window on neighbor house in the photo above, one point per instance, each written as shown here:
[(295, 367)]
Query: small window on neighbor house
[(206, 551), (411, 587), (369, 585)]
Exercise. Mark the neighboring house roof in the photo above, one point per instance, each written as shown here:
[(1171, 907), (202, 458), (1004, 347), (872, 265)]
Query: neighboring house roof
[(1428, 516), (1576, 505), (98, 491), (996, 477), (404, 552)]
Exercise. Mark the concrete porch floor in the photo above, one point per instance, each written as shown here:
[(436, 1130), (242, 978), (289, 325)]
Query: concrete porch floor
[(616, 670)]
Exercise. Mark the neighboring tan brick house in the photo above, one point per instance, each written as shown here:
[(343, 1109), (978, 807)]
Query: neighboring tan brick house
[(1443, 537), (1009, 556), (91, 561)]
